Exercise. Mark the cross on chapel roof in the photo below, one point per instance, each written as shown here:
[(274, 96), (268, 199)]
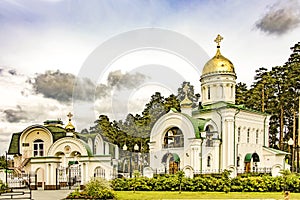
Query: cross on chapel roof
[(218, 40), (70, 116)]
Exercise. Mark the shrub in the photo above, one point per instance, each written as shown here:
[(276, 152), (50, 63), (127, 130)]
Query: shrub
[(97, 188), (262, 183), (3, 187)]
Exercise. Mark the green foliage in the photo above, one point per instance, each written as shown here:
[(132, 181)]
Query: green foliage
[(97, 188), (275, 92), (3, 187), (190, 93), (222, 183), (2, 162)]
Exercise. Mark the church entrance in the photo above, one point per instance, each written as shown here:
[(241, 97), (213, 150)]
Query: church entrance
[(251, 160), (173, 167), (68, 177), (171, 161)]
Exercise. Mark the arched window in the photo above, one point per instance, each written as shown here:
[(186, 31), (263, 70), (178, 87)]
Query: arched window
[(239, 135), (238, 159), (208, 92), (38, 148), (173, 138), (256, 140), (99, 172), (208, 161), (248, 135), (95, 148), (209, 136)]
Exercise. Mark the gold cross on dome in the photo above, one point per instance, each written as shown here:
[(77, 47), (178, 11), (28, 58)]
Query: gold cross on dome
[(218, 39), (70, 115)]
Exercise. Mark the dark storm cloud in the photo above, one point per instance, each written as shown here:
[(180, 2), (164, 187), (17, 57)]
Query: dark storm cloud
[(15, 115), (12, 72), (124, 81), (55, 85), (59, 86), (280, 18)]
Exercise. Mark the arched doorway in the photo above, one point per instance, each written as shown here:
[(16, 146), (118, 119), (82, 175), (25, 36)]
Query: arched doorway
[(251, 160), (40, 177), (171, 161)]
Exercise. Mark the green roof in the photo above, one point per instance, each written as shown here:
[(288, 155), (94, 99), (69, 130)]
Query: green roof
[(88, 149), (223, 104), (248, 157), (276, 151), (14, 143), (198, 124), (176, 158), (57, 133)]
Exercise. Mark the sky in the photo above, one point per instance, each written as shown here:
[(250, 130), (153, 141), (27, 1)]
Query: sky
[(109, 57)]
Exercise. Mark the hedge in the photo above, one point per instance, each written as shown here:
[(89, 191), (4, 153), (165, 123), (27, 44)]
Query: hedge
[(264, 183)]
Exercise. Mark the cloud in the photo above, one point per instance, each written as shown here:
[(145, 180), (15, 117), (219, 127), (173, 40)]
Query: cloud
[(15, 115), (60, 86), (124, 81), (280, 18), (55, 85)]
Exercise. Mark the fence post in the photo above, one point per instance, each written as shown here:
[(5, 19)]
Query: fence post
[(56, 178), (69, 178)]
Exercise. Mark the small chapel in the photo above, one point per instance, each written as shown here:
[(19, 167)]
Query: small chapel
[(53, 156), (218, 135)]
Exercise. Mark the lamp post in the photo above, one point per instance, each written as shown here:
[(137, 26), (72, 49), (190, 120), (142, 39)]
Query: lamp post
[(136, 149), (291, 143), (130, 162), (6, 167)]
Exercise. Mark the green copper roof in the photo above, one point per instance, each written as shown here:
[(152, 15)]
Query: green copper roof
[(198, 124), (223, 104), (14, 143), (276, 151), (87, 147), (248, 157), (176, 158), (57, 133)]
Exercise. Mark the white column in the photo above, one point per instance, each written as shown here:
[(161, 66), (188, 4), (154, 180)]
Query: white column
[(229, 160), (196, 152)]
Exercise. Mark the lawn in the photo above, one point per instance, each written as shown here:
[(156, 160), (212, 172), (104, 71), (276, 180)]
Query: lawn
[(203, 195)]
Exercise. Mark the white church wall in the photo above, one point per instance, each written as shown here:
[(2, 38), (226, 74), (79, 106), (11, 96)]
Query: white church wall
[(157, 137)]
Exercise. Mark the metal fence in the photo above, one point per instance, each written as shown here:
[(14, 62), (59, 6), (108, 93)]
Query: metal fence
[(68, 177)]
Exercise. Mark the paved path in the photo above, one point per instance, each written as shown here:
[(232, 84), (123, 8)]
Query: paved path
[(50, 194)]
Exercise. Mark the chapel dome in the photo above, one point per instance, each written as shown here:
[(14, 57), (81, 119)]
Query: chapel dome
[(70, 127), (218, 63)]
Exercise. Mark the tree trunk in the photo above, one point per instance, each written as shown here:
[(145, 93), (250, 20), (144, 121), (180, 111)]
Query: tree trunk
[(281, 129)]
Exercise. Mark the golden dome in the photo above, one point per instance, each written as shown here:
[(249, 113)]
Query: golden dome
[(70, 127), (218, 63)]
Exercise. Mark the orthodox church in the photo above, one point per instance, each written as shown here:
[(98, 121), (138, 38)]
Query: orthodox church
[(58, 157), (216, 136)]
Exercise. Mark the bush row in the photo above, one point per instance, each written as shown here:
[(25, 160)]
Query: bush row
[(264, 183)]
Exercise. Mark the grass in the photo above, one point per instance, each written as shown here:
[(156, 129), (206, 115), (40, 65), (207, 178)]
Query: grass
[(202, 195)]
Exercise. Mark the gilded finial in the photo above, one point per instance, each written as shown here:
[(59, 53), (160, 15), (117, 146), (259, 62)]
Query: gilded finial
[(218, 40), (70, 116), (186, 89)]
